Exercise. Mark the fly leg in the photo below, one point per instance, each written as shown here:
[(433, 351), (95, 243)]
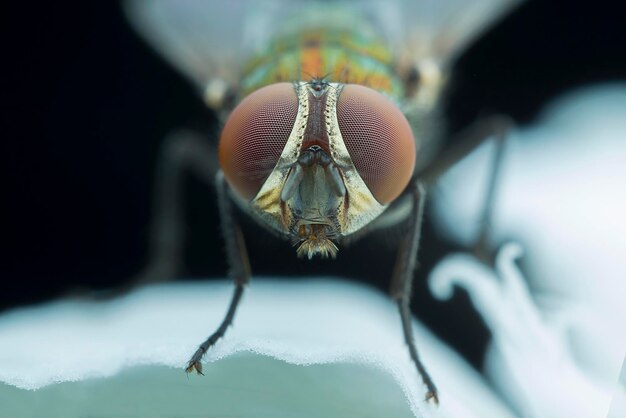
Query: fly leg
[(496, 127), (239, 269), (402, 280), (481, 246), (182, 151)]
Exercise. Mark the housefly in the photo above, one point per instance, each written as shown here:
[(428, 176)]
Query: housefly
[(327, 110)]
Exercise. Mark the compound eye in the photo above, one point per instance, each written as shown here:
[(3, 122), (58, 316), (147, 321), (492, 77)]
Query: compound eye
[(379, 139), (254, 136)]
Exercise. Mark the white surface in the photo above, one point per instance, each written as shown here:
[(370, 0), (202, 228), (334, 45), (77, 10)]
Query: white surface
[(306, 323)]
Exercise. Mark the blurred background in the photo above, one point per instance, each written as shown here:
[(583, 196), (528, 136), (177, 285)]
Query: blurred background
[(86, 105)]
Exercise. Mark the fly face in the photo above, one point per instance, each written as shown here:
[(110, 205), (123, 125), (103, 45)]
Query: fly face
[(316, 161)]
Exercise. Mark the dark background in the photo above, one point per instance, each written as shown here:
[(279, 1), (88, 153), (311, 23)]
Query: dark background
[(86, 104)]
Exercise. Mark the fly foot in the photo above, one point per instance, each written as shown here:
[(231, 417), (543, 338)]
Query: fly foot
[(194, 363), (431, 396)]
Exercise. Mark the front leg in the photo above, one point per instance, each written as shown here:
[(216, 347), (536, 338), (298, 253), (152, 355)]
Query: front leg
[(403, 278), (239, 269)]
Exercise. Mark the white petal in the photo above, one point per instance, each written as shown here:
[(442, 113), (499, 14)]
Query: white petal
[(530, 363)]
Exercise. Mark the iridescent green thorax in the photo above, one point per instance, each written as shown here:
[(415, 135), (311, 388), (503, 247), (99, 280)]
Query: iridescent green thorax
[(343, 52)]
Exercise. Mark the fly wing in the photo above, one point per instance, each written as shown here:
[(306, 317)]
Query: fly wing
[(202, 39), (439, 30)]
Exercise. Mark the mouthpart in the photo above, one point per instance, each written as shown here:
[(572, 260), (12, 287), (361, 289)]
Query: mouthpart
[(314, 241)]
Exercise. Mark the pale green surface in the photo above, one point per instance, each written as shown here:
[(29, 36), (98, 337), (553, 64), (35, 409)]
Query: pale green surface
[(243, 385)]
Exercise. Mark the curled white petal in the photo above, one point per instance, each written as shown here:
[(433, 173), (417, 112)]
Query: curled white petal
[(529, 362)]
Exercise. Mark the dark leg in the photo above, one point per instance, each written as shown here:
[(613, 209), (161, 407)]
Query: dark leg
[(194, 362), (495, 127), (481, 247), (464, 143), (240, 269), (181, 151), (403, 278)]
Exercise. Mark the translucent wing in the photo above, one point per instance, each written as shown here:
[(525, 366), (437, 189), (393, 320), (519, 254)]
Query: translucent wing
[(203, 39), (209, 39), (439, 30)]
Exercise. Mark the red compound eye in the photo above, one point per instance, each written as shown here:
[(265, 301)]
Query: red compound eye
[(379, 140), (254, 136)]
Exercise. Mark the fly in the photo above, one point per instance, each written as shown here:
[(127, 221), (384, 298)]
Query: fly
[(327, 109)]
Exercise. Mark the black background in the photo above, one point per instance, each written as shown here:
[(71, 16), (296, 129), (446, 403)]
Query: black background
[(86, 104)]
